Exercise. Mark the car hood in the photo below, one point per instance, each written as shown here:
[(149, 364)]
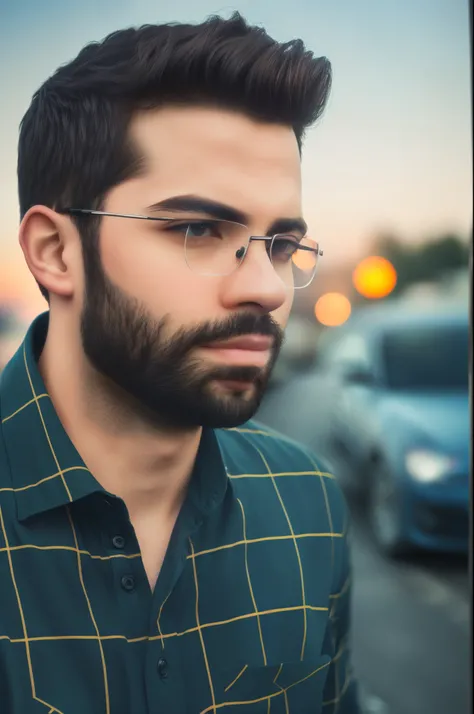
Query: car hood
[(441, 419)]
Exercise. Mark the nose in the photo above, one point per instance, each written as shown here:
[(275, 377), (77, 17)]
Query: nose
[(255, 282)]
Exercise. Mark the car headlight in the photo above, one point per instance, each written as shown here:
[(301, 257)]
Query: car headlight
[(428, 466)]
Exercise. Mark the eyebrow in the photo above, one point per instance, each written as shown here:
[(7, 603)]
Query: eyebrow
[(191, 203)]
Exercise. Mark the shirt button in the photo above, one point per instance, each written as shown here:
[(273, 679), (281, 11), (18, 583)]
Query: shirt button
[(118, 542), (128, 583), (162, 668)]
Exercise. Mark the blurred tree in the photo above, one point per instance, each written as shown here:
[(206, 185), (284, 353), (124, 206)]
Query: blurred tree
[(425, 262)]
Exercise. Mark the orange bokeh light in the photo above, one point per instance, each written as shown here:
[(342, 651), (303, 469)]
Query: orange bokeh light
[(332, 309), (374, 277), (304, 260)]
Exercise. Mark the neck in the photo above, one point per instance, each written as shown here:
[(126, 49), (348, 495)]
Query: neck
[(146, 465)]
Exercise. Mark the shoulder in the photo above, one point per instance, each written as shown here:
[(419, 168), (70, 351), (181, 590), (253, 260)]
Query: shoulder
[(253, 452)]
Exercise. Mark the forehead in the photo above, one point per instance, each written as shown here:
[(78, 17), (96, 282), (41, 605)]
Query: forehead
[(221, 154)]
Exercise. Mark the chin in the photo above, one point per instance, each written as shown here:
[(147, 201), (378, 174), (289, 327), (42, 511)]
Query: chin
[(236, 410), (234, 391)]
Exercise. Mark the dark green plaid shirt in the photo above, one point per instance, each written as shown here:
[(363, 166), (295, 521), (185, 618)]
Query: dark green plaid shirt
[(250, 612)]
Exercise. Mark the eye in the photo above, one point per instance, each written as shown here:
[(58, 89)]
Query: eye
[(203, 229), (196, 229), (284, 247)]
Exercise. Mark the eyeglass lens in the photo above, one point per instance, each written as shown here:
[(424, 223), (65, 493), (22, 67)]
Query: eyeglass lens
[(218, 248)]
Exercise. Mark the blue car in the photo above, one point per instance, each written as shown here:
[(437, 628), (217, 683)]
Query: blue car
[(397, 410)]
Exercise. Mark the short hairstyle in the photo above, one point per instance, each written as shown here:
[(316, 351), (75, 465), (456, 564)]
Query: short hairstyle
[(74, 144)]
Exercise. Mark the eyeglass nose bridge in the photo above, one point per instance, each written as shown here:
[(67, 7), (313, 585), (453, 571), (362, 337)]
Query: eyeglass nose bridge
[(241, 253)]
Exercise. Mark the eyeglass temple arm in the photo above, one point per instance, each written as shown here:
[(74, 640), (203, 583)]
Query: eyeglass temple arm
[(91, 212)]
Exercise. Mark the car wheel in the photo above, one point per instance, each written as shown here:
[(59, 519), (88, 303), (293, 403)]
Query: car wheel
[(385, 513)]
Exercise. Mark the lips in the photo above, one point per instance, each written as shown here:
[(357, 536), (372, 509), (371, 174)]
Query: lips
[(247, 350), (251, 343)]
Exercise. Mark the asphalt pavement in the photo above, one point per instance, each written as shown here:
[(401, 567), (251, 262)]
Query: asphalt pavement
[(411, 631)]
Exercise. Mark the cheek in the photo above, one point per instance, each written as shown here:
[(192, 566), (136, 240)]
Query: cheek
[(160, 280), (282, 315)]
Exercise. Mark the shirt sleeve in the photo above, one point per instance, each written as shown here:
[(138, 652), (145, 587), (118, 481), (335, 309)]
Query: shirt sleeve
[(341, 690)]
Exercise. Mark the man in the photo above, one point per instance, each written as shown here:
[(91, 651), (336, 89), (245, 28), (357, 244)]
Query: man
[(155, 555)]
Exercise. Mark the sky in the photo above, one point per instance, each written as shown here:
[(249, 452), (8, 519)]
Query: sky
[(391, 154)]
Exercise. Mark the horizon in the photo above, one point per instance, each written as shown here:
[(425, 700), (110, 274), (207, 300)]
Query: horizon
[(392, 153)]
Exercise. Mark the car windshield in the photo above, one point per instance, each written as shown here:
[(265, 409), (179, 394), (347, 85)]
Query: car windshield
[(427, 357)]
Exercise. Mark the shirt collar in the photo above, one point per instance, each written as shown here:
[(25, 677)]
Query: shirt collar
[(210, 481), (46, 469)]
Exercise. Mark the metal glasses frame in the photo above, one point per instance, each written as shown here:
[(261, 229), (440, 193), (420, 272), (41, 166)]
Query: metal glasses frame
[(92, 212)]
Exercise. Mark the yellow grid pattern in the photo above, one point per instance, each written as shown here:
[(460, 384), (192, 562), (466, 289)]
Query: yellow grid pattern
[(339, 644)]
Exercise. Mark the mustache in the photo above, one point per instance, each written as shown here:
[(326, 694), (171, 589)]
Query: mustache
[(235, 326)]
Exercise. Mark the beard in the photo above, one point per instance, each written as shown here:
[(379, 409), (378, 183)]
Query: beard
[(158, 375)]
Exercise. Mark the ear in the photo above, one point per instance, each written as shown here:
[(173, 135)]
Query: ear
[(51, 247)]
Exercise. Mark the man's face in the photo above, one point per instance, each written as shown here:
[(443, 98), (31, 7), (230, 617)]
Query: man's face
[(162, 332)]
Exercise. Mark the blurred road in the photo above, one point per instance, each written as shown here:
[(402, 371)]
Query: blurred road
[(411, 619)]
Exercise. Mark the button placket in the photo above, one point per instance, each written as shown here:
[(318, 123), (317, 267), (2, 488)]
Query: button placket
[(162, 667), (118, 542), (127, 582)]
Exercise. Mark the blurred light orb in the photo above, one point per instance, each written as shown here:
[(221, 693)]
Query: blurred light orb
[(332, 309), (374, 277), (304, 260)]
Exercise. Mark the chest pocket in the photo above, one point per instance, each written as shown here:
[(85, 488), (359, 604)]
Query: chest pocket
[(299, 683)]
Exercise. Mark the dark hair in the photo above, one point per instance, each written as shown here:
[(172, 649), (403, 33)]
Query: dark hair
[(74, 145)]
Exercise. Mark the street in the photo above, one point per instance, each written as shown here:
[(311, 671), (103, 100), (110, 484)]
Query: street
[(411, 638)]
